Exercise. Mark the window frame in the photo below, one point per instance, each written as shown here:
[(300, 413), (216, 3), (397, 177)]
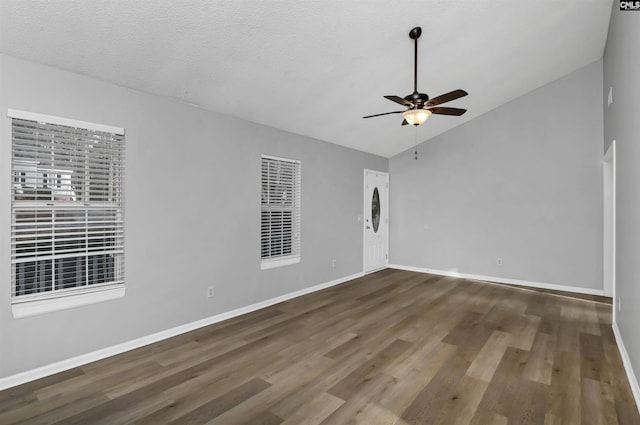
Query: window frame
[(25, 305), (274, 261)]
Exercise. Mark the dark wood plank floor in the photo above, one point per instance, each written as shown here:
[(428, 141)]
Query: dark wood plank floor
[(393, 347)]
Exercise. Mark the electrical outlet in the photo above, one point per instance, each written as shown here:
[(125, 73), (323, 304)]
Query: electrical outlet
[(499, 261), (333, 264), (210, 291)]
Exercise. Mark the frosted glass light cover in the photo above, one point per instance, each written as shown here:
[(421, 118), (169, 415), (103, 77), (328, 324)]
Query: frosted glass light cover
[(416, 116)]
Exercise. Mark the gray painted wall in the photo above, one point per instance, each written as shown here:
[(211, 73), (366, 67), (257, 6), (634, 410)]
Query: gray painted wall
[(522, 183), (622, 124), (192, 214)]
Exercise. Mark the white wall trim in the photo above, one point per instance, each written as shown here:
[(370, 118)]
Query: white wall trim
[(35, 307), (609, 215), (279, 158), (551, 286), (50, 369), (633, 382), (32, 116), (279, 262)]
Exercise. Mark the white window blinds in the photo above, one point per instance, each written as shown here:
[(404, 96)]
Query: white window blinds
[(67, 218), (280, 220)]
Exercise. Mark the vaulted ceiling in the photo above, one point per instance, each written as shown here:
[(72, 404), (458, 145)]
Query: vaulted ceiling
[(314, 67)]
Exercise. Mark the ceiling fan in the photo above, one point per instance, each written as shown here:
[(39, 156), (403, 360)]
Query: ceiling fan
[(419, 106)]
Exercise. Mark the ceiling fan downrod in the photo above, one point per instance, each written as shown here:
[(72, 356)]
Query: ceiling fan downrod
[(414, 34)]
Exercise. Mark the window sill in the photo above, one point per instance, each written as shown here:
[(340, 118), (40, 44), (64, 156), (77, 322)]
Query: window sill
[(272, 264), (33, 308)]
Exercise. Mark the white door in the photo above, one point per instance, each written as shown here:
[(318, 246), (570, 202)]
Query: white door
[(376, 220)]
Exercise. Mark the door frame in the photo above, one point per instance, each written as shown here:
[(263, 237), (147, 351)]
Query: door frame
[(609, 225), (366, 206)]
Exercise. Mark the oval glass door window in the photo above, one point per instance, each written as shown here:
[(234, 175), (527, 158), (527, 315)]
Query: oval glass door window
[(375, 210)]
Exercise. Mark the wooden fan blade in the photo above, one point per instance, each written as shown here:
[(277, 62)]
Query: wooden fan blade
[(447, 111), (404, 122), (447, 97), (400, 100), (386, 113)]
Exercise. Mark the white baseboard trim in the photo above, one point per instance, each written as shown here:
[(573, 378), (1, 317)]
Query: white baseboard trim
[(508, 281), (53, 368), (633, 382)]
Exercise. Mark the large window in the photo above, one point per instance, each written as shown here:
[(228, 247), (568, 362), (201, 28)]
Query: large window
[(67, 222), (280, 221)]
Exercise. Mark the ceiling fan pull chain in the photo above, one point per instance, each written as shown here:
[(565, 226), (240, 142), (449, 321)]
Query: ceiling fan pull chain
[(416, 145)]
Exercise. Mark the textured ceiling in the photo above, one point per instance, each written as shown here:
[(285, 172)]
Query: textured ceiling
[(314, 67)]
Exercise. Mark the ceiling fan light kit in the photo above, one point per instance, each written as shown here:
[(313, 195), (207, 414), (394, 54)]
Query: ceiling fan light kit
[(416, 116), (419, 106)]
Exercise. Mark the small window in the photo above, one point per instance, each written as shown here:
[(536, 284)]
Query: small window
[(375, 210), (280, 212), (67, 218)]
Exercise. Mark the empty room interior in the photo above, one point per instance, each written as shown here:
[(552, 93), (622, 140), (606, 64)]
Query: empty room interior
[(322, 212)]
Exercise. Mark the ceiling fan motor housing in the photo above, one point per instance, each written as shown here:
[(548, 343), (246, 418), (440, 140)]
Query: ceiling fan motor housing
[(417, 98)]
